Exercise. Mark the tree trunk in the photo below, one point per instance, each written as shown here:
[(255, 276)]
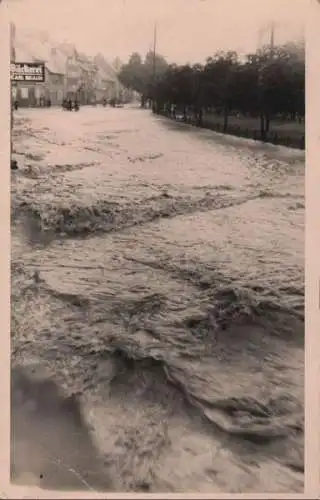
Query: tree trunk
[(225, 120), (199, 116), (184, 113), (267, 124), (262, 125)]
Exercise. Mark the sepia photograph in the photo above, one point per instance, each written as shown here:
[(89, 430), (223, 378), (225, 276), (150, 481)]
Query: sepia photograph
[(157, 245)]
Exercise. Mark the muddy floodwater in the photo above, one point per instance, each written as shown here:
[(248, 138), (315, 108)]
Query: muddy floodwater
[(157, 306)]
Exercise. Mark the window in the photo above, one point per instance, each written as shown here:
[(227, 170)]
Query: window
[(24, 92)]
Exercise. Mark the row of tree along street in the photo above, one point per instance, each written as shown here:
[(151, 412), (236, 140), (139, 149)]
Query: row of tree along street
[(261, 95)]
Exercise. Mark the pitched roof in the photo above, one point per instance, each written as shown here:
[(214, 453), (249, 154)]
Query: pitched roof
[(68, 49), (57, 63), (29, 48), (106, 70), (22, 54), (37, 46)]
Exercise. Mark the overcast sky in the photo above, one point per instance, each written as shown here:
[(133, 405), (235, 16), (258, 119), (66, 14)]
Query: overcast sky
[(188, 30)]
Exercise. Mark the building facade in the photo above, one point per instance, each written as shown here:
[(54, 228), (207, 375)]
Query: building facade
[(106, 80), (53, 88), (88, 78), (38, 93), (29, 94), (80, 78), (105, 87), (68, 73)]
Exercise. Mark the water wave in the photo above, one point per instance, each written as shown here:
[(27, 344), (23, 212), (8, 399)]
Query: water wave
[(165, 290), (104, 216), (73, 218), (213, 332), (246, 417)]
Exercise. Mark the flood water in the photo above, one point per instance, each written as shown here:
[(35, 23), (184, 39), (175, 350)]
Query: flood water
[(158, 279)]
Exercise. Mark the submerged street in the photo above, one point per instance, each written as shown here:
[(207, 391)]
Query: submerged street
[(158, 277)]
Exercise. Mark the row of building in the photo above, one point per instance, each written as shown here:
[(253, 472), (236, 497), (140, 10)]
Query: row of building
[(68, 73)]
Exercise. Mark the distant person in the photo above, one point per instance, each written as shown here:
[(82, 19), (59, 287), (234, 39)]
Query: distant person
[(49, 103), (15, 105), (14, 165), (76, 105), (69, 108), (104, 102)]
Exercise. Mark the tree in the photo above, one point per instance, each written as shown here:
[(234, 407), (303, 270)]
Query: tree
[(264, 84), (282, 90), (219, 81), (117, 64), (138, 75)]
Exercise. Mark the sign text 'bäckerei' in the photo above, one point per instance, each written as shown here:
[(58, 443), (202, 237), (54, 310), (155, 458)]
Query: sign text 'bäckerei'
[(27, 72)]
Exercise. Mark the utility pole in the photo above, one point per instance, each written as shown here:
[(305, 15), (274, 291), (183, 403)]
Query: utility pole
[(264, 118), (66, 73), (272, 28), (154, 64), (13, 163), (154, 49), (263, 30)]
